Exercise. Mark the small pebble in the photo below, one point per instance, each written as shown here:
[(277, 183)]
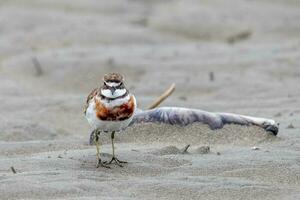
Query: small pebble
[(183, 98), (211, 76), (290, 126), (110, 61), (203, 150), (278, 115)]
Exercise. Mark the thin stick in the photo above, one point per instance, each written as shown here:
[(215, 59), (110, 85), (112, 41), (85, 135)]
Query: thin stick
[(165, 95), (13, 169), (184, 150)]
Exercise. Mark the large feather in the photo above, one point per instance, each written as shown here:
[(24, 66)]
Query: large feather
[(185, 116)]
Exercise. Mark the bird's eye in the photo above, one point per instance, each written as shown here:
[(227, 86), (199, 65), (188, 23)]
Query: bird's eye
[(105, 86)]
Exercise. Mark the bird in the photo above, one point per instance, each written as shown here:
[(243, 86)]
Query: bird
[(109, 109)]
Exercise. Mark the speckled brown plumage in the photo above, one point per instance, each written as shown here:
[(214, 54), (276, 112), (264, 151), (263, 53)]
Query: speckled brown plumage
[(113, 77), (93, 93)]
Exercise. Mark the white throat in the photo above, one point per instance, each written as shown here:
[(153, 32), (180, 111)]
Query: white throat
[(115, 102), (117, 93)]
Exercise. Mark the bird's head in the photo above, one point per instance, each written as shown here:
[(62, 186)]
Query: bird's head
[(113, 86)]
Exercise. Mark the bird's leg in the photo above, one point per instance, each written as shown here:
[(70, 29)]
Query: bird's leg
[(99, 162), (117, 161), (92, 137)]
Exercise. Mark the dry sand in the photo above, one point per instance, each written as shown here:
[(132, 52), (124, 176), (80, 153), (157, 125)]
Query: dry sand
[(252, 47)]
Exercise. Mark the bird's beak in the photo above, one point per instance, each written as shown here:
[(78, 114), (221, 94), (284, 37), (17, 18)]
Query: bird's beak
[(113, 89)]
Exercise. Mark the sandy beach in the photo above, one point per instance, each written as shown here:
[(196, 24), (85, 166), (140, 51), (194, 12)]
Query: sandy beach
[(53, 53)]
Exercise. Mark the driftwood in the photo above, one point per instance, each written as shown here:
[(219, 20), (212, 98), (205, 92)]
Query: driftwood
[(165, 95)]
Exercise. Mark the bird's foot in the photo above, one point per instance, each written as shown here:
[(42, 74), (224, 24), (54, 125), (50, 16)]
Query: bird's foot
[(102, 164), (116, 160)]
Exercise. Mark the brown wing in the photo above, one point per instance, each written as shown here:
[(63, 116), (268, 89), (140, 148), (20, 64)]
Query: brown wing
[(93, 93)]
